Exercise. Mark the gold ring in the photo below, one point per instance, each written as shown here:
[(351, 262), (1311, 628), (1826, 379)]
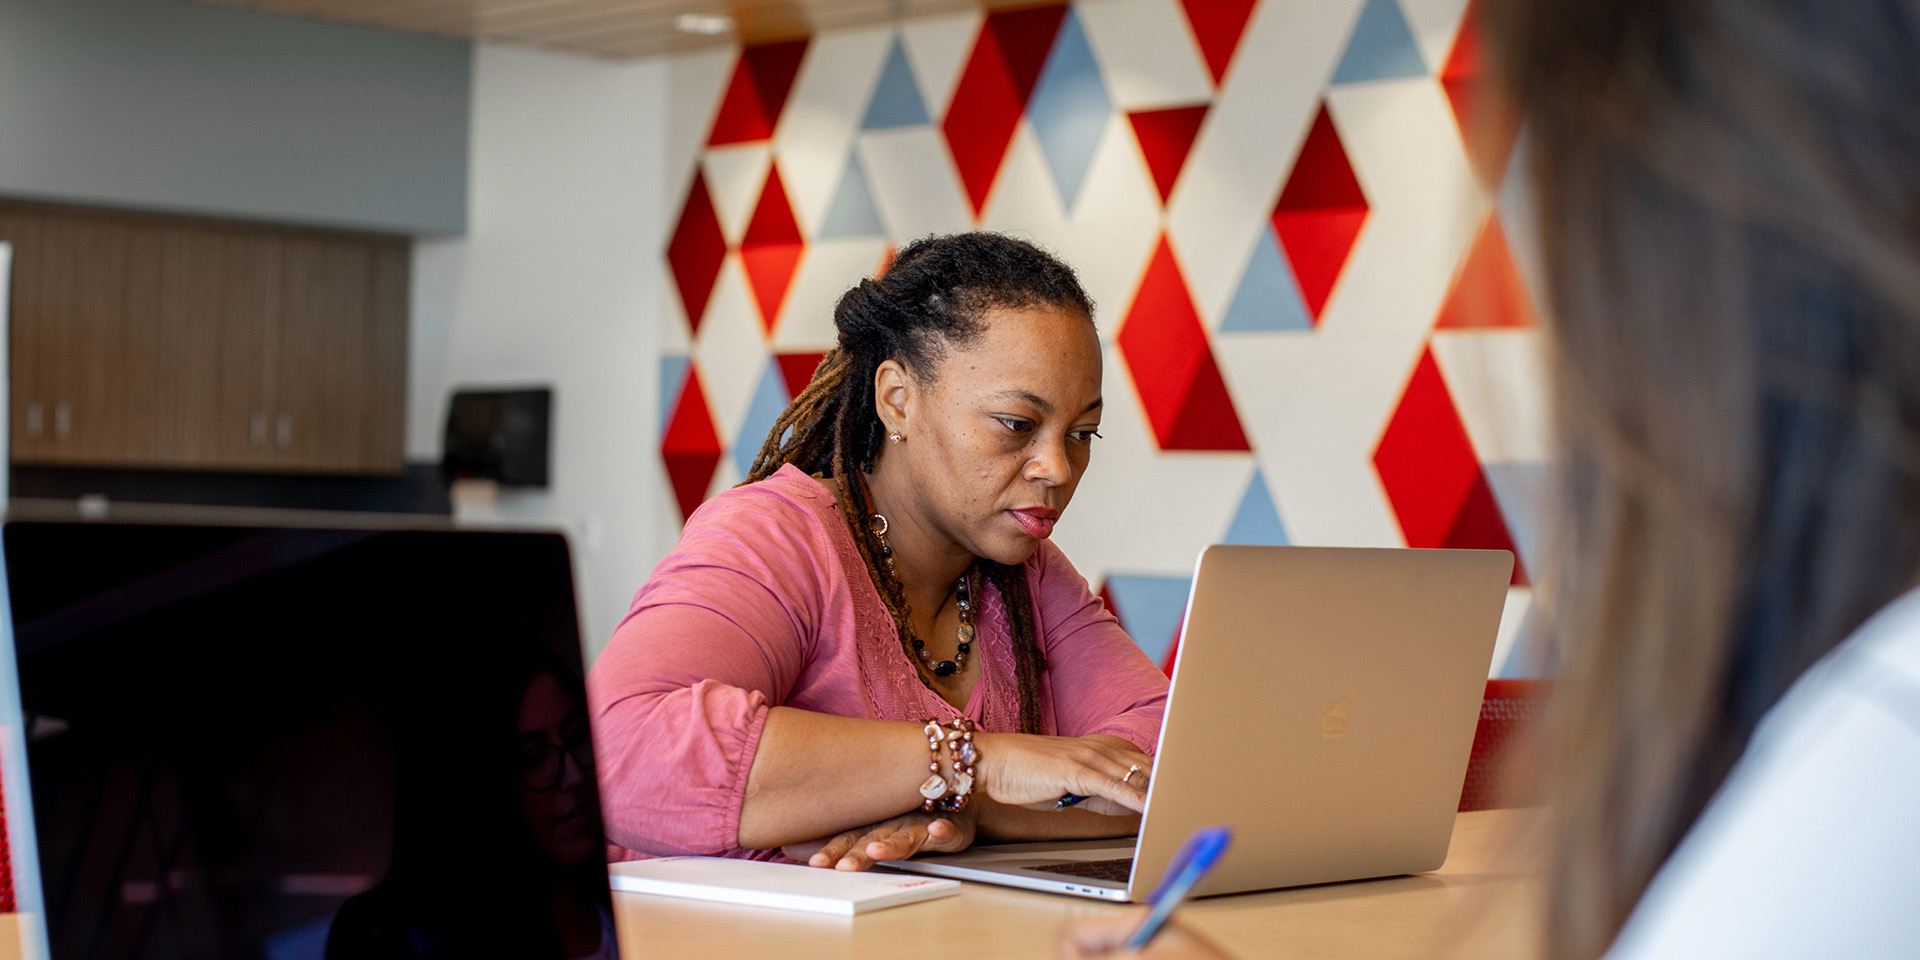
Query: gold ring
[(1131, 770)]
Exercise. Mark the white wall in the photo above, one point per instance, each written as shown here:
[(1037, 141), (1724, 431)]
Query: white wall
[(559, 281)]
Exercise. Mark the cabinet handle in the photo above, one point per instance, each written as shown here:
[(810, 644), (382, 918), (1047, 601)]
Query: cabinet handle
[(257, 430), (283, 431), (62, 420), (36, 419)]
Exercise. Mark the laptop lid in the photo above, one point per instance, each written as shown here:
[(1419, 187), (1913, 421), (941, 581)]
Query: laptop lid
[(1323, 705), (301, 743)]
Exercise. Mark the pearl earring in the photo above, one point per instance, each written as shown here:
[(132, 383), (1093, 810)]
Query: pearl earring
[(895, 437)]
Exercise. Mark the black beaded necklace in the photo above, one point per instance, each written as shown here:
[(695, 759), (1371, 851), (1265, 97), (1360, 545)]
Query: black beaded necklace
[(963, 600)]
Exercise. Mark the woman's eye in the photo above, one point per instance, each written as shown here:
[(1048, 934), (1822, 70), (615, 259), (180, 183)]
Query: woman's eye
[(1015, 424), (1085, 436)]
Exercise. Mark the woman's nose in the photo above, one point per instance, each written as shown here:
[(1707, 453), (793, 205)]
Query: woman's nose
[(1049, 463)]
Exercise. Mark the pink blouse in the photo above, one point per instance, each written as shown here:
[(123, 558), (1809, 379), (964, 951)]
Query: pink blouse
[(765, 602)]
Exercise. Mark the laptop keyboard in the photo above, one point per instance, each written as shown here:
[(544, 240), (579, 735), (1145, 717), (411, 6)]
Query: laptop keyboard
[(1115, 870)]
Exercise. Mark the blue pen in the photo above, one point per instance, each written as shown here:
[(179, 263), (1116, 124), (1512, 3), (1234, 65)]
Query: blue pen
[(1197, 856)]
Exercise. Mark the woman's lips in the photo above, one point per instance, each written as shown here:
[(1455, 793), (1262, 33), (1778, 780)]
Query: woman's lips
[(1037, 523)]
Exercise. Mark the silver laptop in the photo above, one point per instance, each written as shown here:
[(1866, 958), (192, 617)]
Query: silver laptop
[(1323, 706)]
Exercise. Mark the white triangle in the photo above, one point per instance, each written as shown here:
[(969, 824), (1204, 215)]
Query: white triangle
[(827, 271), (823, 114), (731, 353), (937, 47), (1141, 68), (735, 177), (913, 182), (1434, 23)]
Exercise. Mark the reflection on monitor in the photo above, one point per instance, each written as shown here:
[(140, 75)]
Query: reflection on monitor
[(300, 743)]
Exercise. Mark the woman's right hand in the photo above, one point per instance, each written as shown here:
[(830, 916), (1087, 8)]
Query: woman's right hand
[(1022, 769)]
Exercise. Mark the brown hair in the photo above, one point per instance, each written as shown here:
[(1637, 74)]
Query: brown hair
[(1729, 192), (935, 294)]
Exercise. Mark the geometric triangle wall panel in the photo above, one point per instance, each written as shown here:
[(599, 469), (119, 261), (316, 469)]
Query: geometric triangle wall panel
[(896, 99), (1166, 137), (1320, 213), (1488, 127), (1487, 291), (1381, 48), (1217, 27), (696, 251), (1174, 371), (1432, 479), (770, 250), (999, 77), (1070, 109), (762, 78), (690, 446), (797, 370)]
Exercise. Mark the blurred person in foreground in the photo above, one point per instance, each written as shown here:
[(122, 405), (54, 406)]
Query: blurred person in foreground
[(1729, 201)]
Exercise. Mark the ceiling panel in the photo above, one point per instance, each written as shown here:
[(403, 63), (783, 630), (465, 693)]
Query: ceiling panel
[(612, 28)]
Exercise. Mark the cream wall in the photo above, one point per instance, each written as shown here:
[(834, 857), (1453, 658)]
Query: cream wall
[(558, 282)]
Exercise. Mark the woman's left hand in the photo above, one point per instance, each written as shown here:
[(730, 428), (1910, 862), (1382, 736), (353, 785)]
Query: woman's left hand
[(895, 839)]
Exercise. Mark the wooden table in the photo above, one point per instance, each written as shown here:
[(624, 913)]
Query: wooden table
[(1478, 904)]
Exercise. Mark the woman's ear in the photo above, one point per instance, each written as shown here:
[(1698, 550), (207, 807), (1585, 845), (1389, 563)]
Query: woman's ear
[(893, 396)]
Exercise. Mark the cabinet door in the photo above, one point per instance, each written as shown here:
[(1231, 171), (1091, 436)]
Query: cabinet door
[(95, 369), (29, 335), (220, 306), (323, 336)]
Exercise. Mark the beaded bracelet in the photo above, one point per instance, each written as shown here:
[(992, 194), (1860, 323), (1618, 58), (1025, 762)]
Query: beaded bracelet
[(949, 794)]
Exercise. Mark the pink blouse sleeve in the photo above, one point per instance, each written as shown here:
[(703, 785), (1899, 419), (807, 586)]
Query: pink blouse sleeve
[(1098, 678), (717, 636)]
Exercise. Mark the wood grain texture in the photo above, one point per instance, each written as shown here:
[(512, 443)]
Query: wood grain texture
[(615, 28), (199, 344)]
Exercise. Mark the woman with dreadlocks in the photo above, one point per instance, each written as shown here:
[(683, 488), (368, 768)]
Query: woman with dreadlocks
[(870, 648)]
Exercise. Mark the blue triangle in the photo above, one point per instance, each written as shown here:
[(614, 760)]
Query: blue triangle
[(1381, 48), (852, 213), (1268, 298), (1258, 519), (673, 376), (769, 399), (896, 100), (1150, 608), (1070, 109)]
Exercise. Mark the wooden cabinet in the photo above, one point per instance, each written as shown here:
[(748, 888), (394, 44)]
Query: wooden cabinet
[(147, 341)]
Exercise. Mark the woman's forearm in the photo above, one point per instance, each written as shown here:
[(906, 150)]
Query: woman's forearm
[(816, 774)]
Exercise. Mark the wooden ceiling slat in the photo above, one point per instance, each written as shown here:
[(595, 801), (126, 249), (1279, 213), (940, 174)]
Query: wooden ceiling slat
[(610, 28)]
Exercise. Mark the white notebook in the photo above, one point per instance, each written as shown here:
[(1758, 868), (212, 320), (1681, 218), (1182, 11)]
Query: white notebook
[(786, 886)]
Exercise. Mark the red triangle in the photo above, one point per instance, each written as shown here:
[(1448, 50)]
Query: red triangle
[(1488, 126), (1321, 176), (1207, 420), (1432, 478), (992, 92), (1317, 243), (696, 251), (1026, 37), (1174, 372), (771, 249), (1217, 27), (1166, 137), (690, 446), (1488, 291), (796, 369), (762, 78)]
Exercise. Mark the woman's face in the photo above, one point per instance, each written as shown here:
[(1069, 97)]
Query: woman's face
[(556, 788), (996, 443)]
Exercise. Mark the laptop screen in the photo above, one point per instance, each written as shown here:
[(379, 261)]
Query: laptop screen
[(303, 743)]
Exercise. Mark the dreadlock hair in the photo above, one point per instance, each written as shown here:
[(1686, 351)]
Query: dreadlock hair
[(935, 295)]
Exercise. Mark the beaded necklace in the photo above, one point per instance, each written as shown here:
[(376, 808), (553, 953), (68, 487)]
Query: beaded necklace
[(963, 600)]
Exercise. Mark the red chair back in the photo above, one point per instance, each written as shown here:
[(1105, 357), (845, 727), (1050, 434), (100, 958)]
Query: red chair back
[(1510, 707)]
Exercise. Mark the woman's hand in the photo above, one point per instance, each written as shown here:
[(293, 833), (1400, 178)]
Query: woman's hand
[(1101, 936), (895, 839), (1028, 770)]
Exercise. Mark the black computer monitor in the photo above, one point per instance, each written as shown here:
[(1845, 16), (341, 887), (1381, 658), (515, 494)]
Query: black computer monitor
[(302, 743)]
